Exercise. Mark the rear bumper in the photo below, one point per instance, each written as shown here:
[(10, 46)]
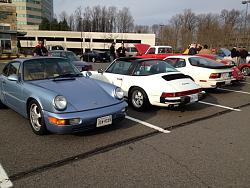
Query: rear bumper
[(182, 100), (88, 118)]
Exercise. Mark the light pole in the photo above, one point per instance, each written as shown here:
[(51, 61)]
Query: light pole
[(81, 35), (245, 25), (161, 26)]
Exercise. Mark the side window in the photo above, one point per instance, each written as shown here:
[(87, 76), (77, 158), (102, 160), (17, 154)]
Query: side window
[(180, 63), (151, 51), (172, 61), (120, 67), (161, 50), (5, 70), (11, 68)]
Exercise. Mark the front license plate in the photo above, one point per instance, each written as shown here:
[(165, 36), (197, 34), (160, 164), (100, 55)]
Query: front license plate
[(194, 98), (102, 121)]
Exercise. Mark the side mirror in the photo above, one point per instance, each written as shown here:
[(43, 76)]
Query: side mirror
[(87, 74), (13, 77), (100, 71)]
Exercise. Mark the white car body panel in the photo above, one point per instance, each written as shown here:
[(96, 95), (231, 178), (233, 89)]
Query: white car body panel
[(153, 85), (201, 74)]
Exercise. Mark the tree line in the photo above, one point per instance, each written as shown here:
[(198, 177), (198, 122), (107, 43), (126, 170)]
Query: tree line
[(227, 28)]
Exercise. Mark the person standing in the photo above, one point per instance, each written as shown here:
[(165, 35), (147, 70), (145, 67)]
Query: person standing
[(121, 51), (40, 50), (192, 49), (112, 52), (235, 55), (243, 55), (205, 50)]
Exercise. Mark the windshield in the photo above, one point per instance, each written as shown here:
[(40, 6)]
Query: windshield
[(151, 67), (204, 62), (47, 68), (72, 57)]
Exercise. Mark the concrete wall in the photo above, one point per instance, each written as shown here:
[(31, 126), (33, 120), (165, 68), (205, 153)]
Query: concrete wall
[(90, 40)]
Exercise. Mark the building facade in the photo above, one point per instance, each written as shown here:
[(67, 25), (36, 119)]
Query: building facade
[(8, 28), (80, 42), (31, 12)]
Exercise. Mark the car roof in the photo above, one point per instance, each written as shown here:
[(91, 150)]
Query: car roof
[(36, 57), (136, 59)]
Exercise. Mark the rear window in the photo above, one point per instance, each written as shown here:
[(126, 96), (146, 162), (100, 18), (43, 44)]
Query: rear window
[(205, 62)]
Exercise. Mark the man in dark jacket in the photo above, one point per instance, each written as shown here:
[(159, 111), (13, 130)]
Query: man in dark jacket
[(235, 55), (40, 50), (121, 51), (243, 55), (112, 52)]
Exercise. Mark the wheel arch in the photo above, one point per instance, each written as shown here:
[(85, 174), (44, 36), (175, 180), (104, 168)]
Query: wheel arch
[(28, 102)]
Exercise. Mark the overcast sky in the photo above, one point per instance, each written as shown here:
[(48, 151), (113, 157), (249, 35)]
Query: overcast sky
[(154, 11)]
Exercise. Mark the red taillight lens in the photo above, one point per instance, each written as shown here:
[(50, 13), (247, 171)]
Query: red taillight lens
[(214, 75), (182, 93)]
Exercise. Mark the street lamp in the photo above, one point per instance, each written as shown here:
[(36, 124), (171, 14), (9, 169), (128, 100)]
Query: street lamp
[(245, 25), (161, 36)]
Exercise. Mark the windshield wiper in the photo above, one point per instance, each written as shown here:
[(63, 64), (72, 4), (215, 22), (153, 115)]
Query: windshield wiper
[(68, 75)]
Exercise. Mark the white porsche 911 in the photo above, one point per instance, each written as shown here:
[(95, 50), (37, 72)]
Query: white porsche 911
[(148, 82), (206, 72)]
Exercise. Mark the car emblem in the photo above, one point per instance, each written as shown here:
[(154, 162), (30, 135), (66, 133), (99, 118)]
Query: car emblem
[(185, 84)]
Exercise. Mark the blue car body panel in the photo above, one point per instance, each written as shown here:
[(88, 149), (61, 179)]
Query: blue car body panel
[(87, 99)]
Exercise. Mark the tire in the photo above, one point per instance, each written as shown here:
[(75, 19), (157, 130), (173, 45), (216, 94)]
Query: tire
[(93, 60), (36, 118), (245, 71), (2, 106), (139, 99)]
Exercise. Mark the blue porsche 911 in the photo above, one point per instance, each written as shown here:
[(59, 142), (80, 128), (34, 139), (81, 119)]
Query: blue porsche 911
[(56, 97)]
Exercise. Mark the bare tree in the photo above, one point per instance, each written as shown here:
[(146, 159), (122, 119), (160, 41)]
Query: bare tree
[(125, 21)]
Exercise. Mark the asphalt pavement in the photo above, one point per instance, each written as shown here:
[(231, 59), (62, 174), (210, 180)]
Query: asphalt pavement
[(206, 145)]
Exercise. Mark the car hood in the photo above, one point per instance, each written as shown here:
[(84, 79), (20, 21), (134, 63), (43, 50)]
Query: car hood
[(80, 63), (81, 93), (141, 48)]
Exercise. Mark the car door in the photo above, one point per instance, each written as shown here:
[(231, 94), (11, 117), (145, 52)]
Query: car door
[(116, 73), (13, 90)]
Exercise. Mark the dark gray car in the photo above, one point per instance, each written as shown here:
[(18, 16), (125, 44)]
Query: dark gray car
[(71, 56)]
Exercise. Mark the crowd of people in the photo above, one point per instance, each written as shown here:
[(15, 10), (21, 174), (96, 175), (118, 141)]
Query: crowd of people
[(238, 54)]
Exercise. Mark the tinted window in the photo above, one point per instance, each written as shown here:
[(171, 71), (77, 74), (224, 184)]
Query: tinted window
[(5, 70), (204, 62), (153, 67), (39, 69), (164, 50), (120, 67), (176, 62), (151, 51), (71, 56)]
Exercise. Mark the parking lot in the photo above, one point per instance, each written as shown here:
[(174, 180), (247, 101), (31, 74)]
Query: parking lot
[(200, 145)]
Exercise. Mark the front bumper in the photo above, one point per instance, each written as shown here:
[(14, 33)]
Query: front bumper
[(182, 100), (88, 118)]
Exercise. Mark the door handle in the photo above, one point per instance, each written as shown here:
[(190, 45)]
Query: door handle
[(119, 79)]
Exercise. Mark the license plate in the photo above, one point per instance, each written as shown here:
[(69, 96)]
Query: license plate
[(194, 98), (102, 121), (224, 75)]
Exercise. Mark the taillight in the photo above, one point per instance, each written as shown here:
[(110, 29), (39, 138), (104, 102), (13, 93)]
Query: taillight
[(214, 75), (182, 93)]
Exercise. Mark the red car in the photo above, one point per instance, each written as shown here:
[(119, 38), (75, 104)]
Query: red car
[(236, 71)]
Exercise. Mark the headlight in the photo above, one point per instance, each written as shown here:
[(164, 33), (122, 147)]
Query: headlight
[(60, 102), (118, 93)]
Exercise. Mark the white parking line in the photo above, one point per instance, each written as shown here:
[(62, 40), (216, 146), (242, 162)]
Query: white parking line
[(220, 106), (148, 125), (245, 83), (244, 92), (4, 179)]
